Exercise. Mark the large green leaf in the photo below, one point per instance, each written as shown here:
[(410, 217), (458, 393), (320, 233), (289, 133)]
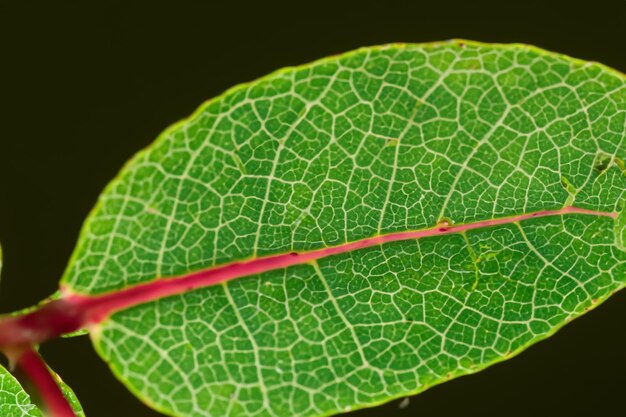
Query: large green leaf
[(15, 402), (380, 140)]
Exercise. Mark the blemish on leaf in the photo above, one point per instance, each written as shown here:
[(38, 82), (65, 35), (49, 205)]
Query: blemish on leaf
[(571, 190), (445, 221), (620, 164), (568, 185), (601, 163), (392, 142), (475, 260), (239, 163), (489, 255)]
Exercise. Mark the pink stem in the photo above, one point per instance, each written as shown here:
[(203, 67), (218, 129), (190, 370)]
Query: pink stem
[(75, 311), (38, 373)]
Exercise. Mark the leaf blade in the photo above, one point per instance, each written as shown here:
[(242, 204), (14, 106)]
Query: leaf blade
[(484, 132)]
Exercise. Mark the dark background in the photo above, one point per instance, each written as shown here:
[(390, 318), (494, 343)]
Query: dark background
[(84, 85)]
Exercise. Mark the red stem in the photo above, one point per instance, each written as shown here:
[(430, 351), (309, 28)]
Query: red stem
[(38, 373), (76, 311)]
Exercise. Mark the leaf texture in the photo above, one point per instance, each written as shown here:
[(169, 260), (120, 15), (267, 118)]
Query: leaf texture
[(14, 401), (377, 141)]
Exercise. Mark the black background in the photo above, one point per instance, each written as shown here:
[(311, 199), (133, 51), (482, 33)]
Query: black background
[(84, 85)]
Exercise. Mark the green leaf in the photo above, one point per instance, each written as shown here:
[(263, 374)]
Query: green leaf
[(15, 402), (376, 141)]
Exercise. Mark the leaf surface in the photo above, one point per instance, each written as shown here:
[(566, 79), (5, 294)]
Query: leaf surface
[(374, 142), (14, 401)]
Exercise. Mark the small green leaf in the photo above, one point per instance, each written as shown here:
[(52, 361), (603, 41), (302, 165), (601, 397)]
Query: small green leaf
[(14, 402), (377, 141)]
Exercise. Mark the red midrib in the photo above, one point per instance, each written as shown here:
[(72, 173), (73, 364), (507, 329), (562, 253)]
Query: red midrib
[(74, 311)]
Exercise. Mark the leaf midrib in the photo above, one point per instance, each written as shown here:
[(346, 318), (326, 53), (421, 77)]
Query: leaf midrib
[(74, 311), (98, 307)]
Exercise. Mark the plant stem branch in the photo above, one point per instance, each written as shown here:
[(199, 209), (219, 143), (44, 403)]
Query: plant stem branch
[(37, 372)]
